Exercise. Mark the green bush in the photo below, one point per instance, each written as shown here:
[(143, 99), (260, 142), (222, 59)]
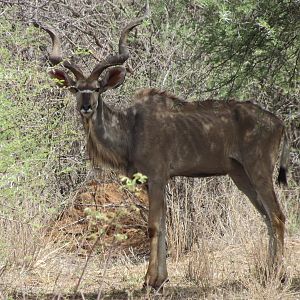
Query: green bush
[(37, 137)]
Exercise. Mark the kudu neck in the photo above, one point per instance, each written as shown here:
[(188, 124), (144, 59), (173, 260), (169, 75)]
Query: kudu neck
[(111, 124), (108, 137)]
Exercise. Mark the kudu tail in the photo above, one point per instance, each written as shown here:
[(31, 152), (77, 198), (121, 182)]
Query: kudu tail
[(281, 179)]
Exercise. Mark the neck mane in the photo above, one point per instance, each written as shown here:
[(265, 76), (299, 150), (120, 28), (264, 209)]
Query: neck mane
[(108, 137)]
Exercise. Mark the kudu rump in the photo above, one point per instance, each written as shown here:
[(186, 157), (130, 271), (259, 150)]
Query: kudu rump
[(162, 136)]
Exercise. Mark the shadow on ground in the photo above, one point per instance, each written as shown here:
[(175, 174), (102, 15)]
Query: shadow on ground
[(170, 293)]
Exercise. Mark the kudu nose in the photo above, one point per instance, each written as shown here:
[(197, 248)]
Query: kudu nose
[(86, 108)]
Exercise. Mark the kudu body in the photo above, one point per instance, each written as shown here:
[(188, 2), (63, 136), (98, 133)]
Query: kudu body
[(162, 136)]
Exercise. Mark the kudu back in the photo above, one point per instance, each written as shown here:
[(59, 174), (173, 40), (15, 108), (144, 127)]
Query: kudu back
[(163, 136)]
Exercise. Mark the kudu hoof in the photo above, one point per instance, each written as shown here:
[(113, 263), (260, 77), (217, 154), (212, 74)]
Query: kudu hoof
[(156, 287)]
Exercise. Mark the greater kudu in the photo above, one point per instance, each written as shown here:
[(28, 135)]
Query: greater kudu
[(162, 136)]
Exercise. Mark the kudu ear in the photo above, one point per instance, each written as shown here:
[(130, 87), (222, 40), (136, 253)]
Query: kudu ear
[(62, 79), (113, 78)]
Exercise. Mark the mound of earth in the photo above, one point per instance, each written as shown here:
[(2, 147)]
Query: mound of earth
[(105, 215)]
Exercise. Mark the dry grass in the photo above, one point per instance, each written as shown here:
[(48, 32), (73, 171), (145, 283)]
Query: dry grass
[(226, 258)]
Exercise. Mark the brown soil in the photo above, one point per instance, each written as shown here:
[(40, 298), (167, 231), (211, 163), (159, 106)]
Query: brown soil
[(107, 210)]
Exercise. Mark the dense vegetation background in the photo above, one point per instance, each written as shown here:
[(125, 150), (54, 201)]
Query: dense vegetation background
[(195, 49)]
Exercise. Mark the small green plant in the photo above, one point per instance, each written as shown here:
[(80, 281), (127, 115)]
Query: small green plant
[(104, 222), (82, 51), (132, 184), (95, 215)]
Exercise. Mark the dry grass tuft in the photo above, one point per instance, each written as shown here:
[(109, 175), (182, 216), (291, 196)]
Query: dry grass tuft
[(202, 269)]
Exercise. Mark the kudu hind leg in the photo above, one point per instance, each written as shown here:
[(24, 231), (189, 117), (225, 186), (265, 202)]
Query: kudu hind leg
[(263, 186), (244, 184), (277, 219), (242, 181), (157, 269)]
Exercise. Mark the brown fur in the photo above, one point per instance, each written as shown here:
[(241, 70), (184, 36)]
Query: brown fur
[(99, 154)]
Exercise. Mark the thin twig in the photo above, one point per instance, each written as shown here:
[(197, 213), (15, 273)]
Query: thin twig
[(105, 268), (85, 266)]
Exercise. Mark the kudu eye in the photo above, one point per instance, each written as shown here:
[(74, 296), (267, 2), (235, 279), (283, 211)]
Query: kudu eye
[(73, 89)]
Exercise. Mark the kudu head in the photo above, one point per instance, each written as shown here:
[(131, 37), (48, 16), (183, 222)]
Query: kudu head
[(88, 88)]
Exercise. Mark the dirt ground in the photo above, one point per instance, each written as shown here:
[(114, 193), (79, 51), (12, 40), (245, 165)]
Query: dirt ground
[(80, 265), (122, 278)]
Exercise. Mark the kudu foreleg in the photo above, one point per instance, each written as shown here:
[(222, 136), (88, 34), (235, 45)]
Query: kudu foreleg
[(157, 269)]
